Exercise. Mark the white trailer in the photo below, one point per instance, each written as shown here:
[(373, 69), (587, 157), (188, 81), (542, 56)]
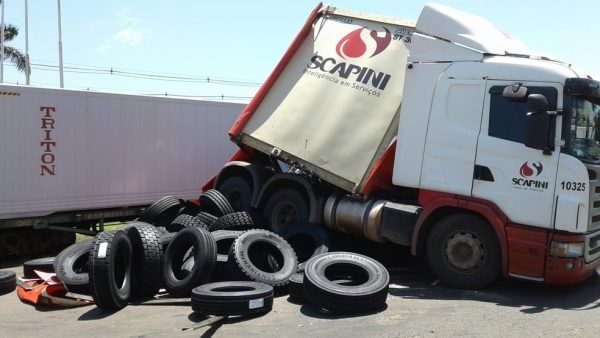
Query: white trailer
[(74, 157)]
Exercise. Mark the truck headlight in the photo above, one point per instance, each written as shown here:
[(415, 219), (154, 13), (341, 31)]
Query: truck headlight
[(567, 249)]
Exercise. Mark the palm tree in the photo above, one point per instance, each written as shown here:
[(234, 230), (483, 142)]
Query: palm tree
[(12, 54)]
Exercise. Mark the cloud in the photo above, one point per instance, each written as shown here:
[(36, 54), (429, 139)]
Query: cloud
[(130, 32), (130, 36)]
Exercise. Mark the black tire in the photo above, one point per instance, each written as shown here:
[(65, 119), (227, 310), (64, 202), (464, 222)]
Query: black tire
[(146, 259), (110, 270), (183, 221), (308, 240), (367, 292), (234, 221), (463, 251), (213, 202), (189, 208), (224, 240), (180, 282), (71, 266), (232, 298), (8, 282), (206, 218), (285, 207), (162, 212), (252, 254), (238, 192), (165, 239), (41, 264), (162, 230), (296, 289)]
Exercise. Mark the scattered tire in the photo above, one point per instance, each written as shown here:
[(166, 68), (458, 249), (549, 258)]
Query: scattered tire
[(463, 251), (178, 281), (110, 270), (238, 193), (146, 259), (262, 256), (366, 293), (8, 282), (308, 240), (162, 212), (234, 221), (165, 239), (296, 289), (41, 264), (206, 218), (285, 207), (224, 240), (213, 202), (189, 208), (232, 298), (162, 230), (183, 221), (71, 266)]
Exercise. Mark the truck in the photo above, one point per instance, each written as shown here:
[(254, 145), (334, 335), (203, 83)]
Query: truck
[(71, 160), (447, 135)]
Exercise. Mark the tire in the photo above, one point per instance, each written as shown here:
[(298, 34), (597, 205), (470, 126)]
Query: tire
[(296, 289), (252, 253), (285, 207), (206, 218), (224, 240), (41, 264), (183, 221), (234, 221), (71, 267), (145, 260), (471, 236), (308, 240), (367, 292), (238, 193), (110, 270), (8, 282), (232, 298), (165, 239), (213, 202), (162, 212), (189, 208), (178, 281)]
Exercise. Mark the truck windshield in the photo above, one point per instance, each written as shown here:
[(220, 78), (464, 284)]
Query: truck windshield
[(585, 138)]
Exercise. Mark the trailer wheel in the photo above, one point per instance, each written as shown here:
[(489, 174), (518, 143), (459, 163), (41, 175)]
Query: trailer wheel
[(213, 202), (71, 266), (238, 192), (232, 298), (110, 270), (286, 206), (463, 251), (8, 282)]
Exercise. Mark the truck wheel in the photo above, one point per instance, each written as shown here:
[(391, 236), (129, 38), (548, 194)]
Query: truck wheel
[(238, 192), (463, 251), (110, 270), (286, 206)]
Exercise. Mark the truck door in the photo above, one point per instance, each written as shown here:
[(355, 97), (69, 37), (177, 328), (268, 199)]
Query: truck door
[(518, 179)]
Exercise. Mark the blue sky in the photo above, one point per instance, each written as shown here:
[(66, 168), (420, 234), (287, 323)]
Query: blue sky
[(243, 40)]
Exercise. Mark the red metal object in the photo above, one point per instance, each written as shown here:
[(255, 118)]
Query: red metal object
[(527, 248), (244, 117), (380, 177), (557, 268)]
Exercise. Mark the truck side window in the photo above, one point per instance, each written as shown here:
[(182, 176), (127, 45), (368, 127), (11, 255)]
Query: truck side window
[(506, 117)]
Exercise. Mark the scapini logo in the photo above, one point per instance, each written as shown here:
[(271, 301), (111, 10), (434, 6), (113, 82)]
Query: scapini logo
[(353, 46), (528, 171)]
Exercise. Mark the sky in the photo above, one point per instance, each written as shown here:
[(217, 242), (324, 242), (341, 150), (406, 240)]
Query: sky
[(209, 49)]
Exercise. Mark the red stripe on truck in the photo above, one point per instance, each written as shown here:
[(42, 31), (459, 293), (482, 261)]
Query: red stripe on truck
[(244, 117)]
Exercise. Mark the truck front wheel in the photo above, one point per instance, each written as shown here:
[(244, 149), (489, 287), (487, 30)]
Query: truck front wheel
[(286, 206), (463, 251)]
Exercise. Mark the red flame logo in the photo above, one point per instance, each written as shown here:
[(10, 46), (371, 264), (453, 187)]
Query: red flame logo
[(527, 171), (352, 45)]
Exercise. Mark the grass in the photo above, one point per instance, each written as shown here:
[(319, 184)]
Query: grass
[(107, 226)]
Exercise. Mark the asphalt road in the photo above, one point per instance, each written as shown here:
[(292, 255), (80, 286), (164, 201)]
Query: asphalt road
[(416, 307)]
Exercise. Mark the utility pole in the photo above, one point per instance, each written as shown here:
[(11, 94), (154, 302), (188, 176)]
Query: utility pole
[(27, 66), (60, 49), (2, 43)]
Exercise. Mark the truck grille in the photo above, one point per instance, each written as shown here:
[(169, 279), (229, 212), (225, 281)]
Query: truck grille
[(594, 216), (592, 247)]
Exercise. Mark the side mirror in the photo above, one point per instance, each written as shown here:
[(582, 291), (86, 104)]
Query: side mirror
[(536, 127), (516, 92)]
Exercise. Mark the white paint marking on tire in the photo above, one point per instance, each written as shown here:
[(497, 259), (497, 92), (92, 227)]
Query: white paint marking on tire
[(102, 249), (256, 303)]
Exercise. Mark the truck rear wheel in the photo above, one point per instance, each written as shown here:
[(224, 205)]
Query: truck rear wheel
[(286, 206), (463, 251)]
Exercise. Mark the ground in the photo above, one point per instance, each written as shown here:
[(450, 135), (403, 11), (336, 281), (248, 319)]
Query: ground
[(416, 307)]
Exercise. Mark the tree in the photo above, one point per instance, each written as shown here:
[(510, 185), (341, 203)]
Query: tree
[(12, 54)]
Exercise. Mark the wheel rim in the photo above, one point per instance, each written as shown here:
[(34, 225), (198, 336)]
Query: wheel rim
[(464, 251), (285, 214)]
